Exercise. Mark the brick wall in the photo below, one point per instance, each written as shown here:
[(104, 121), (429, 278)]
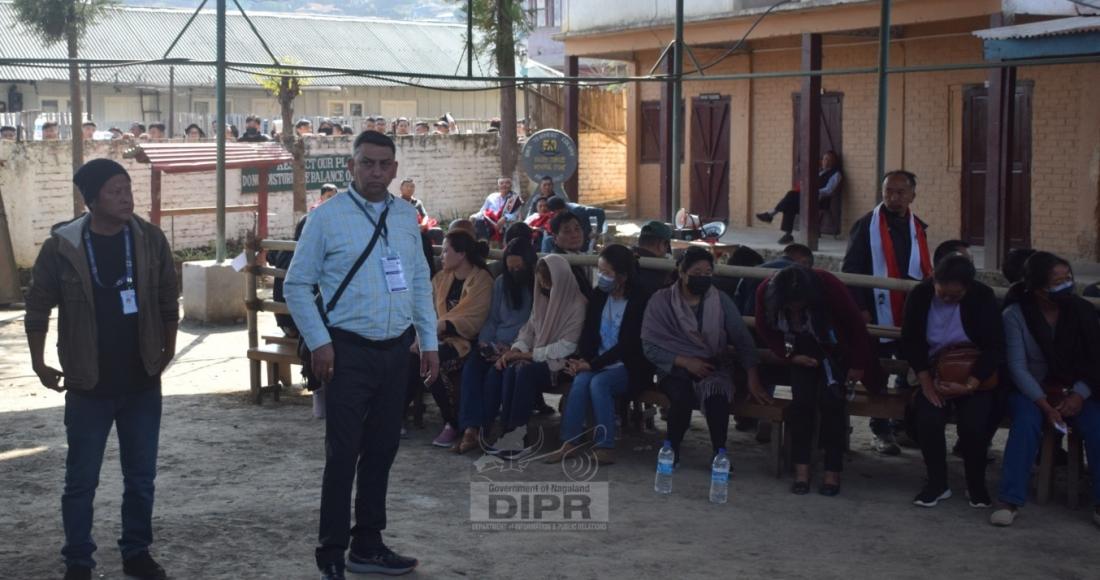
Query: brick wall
[(453, 175), (602, 169), (924, 136)]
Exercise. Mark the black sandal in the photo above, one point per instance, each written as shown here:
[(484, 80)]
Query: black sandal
[(800, 487)]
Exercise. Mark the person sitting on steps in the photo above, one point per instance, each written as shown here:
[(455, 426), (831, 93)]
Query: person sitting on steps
[(829, 178)]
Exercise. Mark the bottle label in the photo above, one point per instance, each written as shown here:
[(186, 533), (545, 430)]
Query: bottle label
[(664, 468), (719, 476)]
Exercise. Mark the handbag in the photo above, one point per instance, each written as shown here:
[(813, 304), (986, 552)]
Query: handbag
[(304, 354), (954, 363)]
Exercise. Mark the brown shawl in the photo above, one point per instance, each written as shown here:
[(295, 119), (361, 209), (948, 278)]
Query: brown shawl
[(552, 332), (469, 315)]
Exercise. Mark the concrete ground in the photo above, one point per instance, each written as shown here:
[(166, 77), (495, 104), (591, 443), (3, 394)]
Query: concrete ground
[(238, 492)]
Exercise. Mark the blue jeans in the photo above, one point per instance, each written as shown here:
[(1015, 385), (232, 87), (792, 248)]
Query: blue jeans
[(600, 388), (522, 384), (1023, 445), (480, 398), (88, 421)]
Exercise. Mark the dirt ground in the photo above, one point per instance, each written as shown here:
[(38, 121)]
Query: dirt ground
[(238, 492)]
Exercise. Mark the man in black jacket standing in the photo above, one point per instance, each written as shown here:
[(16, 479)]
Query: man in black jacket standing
[(888, 242)]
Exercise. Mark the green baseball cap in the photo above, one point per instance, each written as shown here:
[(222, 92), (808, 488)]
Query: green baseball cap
[(657, 228)]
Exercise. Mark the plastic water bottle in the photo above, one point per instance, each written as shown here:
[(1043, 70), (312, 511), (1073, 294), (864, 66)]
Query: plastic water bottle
[(720, 478), (665, 458)]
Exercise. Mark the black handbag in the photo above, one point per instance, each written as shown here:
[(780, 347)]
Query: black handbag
[(323, 309)]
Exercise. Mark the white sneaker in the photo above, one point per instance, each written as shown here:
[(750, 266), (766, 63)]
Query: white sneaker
[(319, 403), (511, 441), (1003, 517)]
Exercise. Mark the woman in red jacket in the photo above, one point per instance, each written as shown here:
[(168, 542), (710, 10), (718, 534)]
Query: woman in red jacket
[(808, 318)]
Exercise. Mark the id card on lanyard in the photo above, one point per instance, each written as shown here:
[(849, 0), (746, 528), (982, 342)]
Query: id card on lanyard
[(392, 268), (125, 284)]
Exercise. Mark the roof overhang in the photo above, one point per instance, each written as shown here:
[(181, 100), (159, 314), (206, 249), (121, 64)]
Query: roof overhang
[(1061, 37), (196, 157)]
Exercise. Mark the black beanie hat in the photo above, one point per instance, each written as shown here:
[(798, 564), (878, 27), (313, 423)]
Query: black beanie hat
[(92, 175)]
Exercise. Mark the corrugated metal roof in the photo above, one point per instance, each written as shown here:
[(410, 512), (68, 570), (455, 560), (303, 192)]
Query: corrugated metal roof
[(345, 42), (1055, 27)]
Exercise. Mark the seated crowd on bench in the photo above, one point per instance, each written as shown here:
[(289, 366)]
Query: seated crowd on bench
[(514, 329)]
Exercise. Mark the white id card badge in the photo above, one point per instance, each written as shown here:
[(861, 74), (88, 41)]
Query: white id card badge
[(129, 301), (395, 274)]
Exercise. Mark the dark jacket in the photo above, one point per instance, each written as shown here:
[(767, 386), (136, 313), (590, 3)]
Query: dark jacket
[(857, 259), (62, 278), (981, 320), (629, 348), (651, 280), (844, 319)]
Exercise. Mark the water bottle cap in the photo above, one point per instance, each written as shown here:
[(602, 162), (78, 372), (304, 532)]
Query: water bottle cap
[(668, 443), (721, 451)]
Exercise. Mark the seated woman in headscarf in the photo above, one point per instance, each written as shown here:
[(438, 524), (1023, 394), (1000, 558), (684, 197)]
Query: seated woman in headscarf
[(510, 310), (954, 342), (540, 351), (462, 291), (610, 362), (808, 318), (688, 331), (1052, 340)]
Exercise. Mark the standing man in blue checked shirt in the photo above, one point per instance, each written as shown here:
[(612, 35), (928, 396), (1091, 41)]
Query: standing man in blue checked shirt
[(360, 348)]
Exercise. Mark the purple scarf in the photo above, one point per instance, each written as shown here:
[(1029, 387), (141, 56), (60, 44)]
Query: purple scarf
[(671, 324)]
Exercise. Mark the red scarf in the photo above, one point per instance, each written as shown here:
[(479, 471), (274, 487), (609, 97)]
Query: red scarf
[(897, 297)]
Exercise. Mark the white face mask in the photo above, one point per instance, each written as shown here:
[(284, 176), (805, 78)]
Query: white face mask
[(605, 283)]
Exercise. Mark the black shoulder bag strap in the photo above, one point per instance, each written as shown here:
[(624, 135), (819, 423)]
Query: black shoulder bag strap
[(324, 309)]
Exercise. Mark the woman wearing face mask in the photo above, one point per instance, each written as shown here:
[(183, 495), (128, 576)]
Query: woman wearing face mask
[(809, 318), (542, 347), (954, 342), (610, 359), (687, 334), (462, 291), (1052, 340), (509, 311)]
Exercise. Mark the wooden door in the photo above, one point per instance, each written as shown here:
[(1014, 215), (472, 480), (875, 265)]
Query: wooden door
[(1018, 203), (832, 139), (710, 157)]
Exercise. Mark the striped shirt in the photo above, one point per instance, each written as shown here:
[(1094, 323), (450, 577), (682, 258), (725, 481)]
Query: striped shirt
[(335, 234)]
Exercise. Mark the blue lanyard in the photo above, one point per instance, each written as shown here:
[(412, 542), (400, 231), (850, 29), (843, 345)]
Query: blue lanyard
[(385, 230), (128, 279)]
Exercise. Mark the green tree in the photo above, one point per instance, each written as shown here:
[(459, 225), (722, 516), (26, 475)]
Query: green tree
[(56, 21), (285, 85), (502, 23)]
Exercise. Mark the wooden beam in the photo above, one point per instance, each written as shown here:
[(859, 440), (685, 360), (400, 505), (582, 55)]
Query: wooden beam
[(154, 197), (572, 119), (665, 141), (809, 139), (261, 204)]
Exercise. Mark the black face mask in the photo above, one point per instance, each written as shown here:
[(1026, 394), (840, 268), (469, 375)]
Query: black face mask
[(698, 285), (545, 291), (519, 277)]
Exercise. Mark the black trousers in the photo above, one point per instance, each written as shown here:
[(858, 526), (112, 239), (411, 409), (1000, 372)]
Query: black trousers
[(791, 205), (810, 397), (681, 395), (363, 405), (972, 412)]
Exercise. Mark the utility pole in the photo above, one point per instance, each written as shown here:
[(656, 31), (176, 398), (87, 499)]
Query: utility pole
[(220, 110)]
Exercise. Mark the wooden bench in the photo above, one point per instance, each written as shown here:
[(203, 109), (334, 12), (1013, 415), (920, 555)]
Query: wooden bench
[(278, 358), (1044, 478)]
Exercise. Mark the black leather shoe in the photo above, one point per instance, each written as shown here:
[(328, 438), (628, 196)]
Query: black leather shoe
[(78, 573), (829, 489), (143, 567), (764, 217), (380, 560), (333, 571), (800, 487)]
